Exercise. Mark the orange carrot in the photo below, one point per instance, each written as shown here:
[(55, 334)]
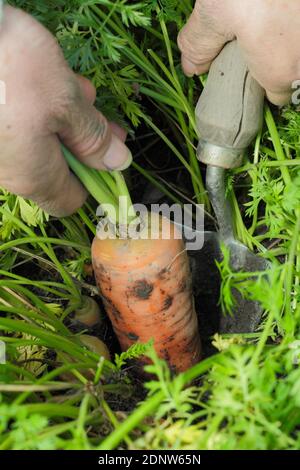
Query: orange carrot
[(146, 288)]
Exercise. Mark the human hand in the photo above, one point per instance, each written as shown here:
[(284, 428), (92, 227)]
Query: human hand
[(46, 104), (268, 32)]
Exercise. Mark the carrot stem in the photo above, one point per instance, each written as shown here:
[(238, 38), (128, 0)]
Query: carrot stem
[(109, 189), (89, 180), (125, 203)]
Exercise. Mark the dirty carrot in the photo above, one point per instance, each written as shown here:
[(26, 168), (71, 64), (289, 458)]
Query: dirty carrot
[(147, 292), (145, 282)]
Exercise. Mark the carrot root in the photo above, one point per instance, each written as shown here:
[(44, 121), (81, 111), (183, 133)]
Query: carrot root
[(147, 292)]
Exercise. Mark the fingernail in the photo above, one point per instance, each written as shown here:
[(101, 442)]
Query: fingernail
[(188, 67), (127, 163), (118, 156)]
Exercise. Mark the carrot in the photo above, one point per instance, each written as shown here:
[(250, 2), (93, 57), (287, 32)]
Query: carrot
[(146, 288), (145, 283), (89, 313)]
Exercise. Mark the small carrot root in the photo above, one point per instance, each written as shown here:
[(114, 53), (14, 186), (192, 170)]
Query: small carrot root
[(89, 314), (146, 288)]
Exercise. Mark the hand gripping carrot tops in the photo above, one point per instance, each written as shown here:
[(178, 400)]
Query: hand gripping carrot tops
[(145, 281)]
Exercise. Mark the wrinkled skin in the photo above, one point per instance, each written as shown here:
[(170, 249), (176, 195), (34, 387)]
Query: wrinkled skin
[(267, 30), (46, 103)]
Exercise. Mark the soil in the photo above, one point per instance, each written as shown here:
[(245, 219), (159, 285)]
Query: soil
[(206, 287)]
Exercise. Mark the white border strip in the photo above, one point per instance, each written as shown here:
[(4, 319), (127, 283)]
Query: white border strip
[(1, 11)]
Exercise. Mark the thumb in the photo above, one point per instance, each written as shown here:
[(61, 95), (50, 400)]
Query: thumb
[(87, 133), (119, 131), (203, 36)]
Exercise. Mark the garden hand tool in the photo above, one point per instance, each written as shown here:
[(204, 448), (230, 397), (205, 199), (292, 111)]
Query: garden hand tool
[(229, 116)]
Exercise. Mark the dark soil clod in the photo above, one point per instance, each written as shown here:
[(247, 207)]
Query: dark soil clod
[(133, 336), (111, 306), (142, 289)]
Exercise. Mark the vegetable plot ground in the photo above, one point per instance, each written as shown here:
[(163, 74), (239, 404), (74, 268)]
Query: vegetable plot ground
[(55, 390)]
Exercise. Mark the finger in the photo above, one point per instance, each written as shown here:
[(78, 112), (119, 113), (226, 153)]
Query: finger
[(47, 179), (86, 132), (274, 76), (279, 99), (118, 131), (268, 38), (89, 91), (87, 88), (203, 37), (70, 196)]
